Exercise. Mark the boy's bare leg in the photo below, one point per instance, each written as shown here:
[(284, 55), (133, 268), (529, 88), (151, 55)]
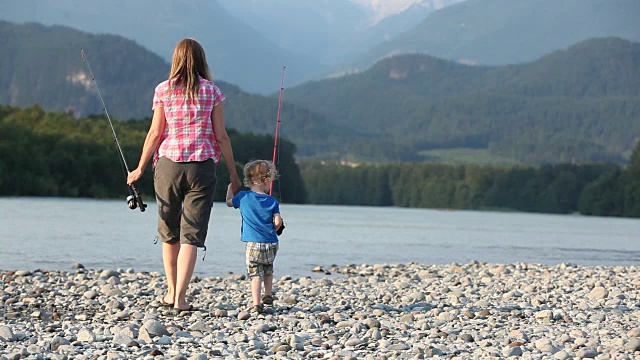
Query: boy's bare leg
[(256, 284), (268, 284)]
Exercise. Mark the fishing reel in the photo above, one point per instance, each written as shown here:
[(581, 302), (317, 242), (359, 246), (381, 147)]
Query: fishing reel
[(134, 200)]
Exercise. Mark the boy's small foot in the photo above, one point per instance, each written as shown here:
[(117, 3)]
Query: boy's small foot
[(267, 299), (257, 309)]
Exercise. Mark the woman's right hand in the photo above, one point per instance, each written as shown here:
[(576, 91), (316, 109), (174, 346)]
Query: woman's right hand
[(134, 176)]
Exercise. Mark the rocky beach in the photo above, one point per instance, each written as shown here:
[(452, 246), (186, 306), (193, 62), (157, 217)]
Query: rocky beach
[(384, 311)]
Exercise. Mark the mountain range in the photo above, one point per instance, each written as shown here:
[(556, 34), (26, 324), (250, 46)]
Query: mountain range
[(43, 65), (498, 32), (236, 51), (249, 41), (573, 105), (331, 31)]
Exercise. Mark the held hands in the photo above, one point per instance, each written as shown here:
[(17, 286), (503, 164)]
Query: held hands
[(235, 184), (230, 195)]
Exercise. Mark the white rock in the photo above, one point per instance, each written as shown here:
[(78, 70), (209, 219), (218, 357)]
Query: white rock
[(598, 292), (86, 335), (6, 333), (587, 352)]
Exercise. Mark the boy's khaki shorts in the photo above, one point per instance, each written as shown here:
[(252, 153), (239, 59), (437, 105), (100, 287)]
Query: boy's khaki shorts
[(184, 192), (260, 257)]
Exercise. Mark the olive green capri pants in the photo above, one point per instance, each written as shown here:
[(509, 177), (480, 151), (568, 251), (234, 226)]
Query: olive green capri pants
[(184, 193)]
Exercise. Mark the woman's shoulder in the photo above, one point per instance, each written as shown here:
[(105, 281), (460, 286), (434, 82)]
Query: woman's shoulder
[(212, 89), (208, 83), (163, 86)]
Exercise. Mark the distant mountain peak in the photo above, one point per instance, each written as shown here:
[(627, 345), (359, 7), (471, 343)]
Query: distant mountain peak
[(382, 9)]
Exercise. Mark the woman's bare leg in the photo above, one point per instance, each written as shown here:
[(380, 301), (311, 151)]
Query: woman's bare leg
[(170, 261), (186, 263)]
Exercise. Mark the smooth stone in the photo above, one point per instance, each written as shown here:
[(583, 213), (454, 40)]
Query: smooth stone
[(354, 341), (512, 351), (632, 345), (399, 347), (587, 352), (90, 294), (155, 328), (6, 333), (598, 292), (371, 323), (109, 273), (122, 338), (244, 315), (86, 335), (143, 335), (164, 340)]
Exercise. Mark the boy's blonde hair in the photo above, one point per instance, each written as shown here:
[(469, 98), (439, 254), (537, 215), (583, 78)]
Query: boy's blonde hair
[(258, 172), (189, 62)]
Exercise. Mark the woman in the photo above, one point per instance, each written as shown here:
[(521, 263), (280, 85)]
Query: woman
[(188, 137)]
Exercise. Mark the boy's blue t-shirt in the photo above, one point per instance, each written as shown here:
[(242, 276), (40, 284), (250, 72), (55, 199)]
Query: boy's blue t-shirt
[(257, 212)]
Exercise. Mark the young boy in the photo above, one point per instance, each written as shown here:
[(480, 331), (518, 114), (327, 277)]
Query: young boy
[(260, 221)]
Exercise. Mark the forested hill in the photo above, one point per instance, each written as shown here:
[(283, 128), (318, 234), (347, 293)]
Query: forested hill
[(238, 52), (43, 65), (581, 104)]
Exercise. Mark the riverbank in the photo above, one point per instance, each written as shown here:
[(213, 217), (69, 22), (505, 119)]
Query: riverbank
[(468, 311)]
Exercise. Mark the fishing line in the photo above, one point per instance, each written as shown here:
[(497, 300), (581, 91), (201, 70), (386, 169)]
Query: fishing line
[(134, 199), (276, 141)]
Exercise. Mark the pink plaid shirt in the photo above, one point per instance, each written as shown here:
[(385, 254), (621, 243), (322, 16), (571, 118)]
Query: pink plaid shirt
[(188, 134)]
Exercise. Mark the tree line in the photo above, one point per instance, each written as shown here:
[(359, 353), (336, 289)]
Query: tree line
[(54, 154), (588, 189)]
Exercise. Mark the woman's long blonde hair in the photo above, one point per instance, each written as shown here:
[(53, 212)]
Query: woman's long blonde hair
[(188, 63)]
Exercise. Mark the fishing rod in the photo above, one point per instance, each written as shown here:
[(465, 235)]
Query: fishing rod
[(276, 147), (134, 200), (276, 140)]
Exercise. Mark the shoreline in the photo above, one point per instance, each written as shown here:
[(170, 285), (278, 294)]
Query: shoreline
[(473, 310)]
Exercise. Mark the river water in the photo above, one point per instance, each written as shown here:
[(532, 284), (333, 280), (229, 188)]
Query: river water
[(54, 233)]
